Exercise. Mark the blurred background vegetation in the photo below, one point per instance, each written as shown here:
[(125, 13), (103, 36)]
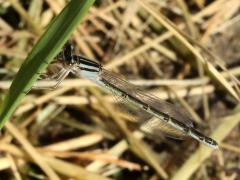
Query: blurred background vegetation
[(186, 52)]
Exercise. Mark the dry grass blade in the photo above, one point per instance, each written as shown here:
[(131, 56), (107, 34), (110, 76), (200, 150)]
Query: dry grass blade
[(230, 147), (35, 28), (208, 66), (5, 163), (95, 156), (32, 152), (154, 42), (71, 170), (185, 52), (187, 15), (41, 100), (60, 166), (75, 143)]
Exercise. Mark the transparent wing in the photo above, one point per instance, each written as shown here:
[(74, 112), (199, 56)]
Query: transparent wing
[(148, 123), (151, 100), (133, 112), (157, 128), (166, 107)]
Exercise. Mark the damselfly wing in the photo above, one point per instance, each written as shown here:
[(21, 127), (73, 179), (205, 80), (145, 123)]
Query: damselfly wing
[(146, 122)]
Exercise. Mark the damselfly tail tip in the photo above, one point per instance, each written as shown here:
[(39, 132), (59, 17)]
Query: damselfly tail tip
[(213, 144), (216, 147)]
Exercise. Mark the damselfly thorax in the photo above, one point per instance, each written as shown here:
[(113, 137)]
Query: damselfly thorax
[(67, 62), (167, 118)]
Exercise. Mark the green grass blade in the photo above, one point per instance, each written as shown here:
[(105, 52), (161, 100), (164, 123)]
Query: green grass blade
[(57, 33)]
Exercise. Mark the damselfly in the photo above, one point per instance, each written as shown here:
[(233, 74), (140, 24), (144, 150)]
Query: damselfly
[(165, 113)]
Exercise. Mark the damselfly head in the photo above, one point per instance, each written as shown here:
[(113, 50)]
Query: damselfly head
[(66, 54)]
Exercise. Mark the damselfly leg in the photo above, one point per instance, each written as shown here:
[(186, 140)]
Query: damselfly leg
[(59, 69)]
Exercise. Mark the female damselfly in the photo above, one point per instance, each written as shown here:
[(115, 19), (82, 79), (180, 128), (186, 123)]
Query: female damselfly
[(165, 113)]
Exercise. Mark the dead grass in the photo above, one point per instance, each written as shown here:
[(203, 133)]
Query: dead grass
[(165, 47)]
